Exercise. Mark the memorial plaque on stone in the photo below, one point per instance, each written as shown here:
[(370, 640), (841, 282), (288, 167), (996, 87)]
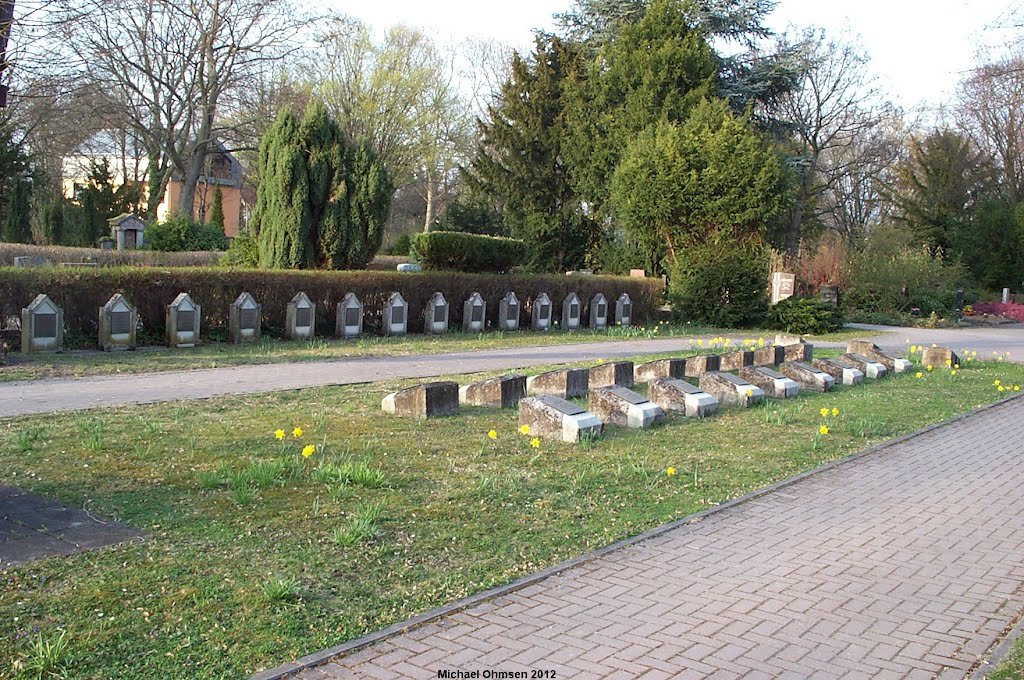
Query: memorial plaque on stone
[(540, 319), (46, 326), (435, 314), (508, 312), (623, 310), (659, 368), (512, 316), (554, 418), (186, 320), (120, 323), (545, 311), (244, 319), (627, 310), (439, 314), (303, 317), (395, 316), (602, 310), (477, 315), (574, 310), (875, 353), (627, 394), (598, 312), (624, 407), (352, 316), (398, 314), (679, 396)]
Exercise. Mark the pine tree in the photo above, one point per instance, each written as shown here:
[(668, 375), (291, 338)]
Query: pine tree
[(321, 203), (217, 209), (520, 160)]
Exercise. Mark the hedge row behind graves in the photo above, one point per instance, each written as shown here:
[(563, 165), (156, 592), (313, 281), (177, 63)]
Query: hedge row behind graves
[(81, 292)]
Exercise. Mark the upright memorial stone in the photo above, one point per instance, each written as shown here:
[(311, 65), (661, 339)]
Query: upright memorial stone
[(702, 363), (183, 317), (540, 318), (42, 326), (566, 383), (474, 314), (245, 319), (783, 284), (572, 311), (613, 373), (502, 392), (734, 361), (435, 315), (428, 400), (508, 312), (349, 322), (118, 321), (938, 357), (300, 318), (659, 368), (772, 355), (623, 310), (598, 312), (395, 315)]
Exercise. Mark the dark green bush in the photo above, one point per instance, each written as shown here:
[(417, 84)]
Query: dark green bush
[(401, 246), (805, 316), (456, 251), (721, 281), (179, 232), (81, 292)]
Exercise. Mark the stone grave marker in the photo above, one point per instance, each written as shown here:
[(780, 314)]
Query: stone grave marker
[(659, 368), (773, 355), (794, 348), (871, 369), (508, 312), (731, 389), (435, 315), (783, 285), (127, 230), (842, 372), (245, 319), (42, 326), (598, 312), (566, 383), (502, 392), (807, 377), (612, 373), (474, 314), (118, 323), (624, 407), (183, 319), (349, 320), (540, 318), (623, 310), (697, 366), (678, 396), (828, 295), (30, 261), (395, 315), (300, 318), (555, 418), (939, 356), (772, 383), (428, 400), (572, 312), (875, 353), (734, 361)]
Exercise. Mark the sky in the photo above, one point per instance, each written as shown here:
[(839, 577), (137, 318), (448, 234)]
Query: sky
[(918, 48)]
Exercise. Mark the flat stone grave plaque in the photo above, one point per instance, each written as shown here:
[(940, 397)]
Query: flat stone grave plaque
[(428, 400), (769, 356), (875, 353), (807, 376), (679, 396), (841, 371), (552, 417), (773, 383), (871, 369), (731, 389), (624, 408)]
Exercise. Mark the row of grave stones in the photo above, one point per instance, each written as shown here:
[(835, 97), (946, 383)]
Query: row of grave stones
[(743, 378), (42, 322)]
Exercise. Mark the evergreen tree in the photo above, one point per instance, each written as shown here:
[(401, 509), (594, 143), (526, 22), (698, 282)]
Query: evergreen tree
[(677, 182), (656, 70), (320, 203), (217, 209), (15, 191), (520, 160), (101, 199)]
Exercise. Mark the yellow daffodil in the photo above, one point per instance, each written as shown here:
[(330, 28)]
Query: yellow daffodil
[(1002, 389), (279, 434), (930, 367), (934, 345), (919, 374), (956, 366), (492, 434), (670, 471), (823, 429), (949, 362), (996, 383), (835, 411), (525, 429), (760, 342), (824, 413), (535, 443), (974, 353), (750, 393), (308, 450), (953, 372), (700, 343), (1016, 388), (913, 349), (297, 432)]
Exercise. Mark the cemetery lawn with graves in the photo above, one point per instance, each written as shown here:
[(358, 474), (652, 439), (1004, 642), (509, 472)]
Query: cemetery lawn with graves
[(257, 554), (273, 350)]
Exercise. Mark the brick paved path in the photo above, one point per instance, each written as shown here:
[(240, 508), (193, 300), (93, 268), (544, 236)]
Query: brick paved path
[(907, 562)]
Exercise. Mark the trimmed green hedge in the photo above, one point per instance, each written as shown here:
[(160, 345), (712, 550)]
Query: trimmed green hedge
[(453, 250), (805, 316), (81, 292)]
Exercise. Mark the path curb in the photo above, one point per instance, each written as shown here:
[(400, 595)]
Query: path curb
[(326, 655)]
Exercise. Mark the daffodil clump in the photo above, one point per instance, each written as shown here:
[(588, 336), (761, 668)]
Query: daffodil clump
[(492, 436), (297, 433), (823, 427)]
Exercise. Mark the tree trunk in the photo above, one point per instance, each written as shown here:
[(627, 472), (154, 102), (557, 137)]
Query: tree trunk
[(430, 204)]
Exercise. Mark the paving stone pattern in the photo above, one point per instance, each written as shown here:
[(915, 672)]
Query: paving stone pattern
[(907, 562)]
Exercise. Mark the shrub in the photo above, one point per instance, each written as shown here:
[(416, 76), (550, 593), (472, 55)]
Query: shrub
[(401, 246), (179, 232), (721, 281), (890, 274), (108, 258), (1010, 310), (805, 316), (81, 292), (468, 252)]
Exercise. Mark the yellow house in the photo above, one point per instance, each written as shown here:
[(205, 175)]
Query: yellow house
[(222, 169)]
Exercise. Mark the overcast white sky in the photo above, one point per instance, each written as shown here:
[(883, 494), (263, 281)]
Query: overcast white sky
[(918, 48)]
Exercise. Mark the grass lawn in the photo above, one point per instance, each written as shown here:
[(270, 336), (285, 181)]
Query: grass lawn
[(258, 555), (1012, 668), (271, 351)]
